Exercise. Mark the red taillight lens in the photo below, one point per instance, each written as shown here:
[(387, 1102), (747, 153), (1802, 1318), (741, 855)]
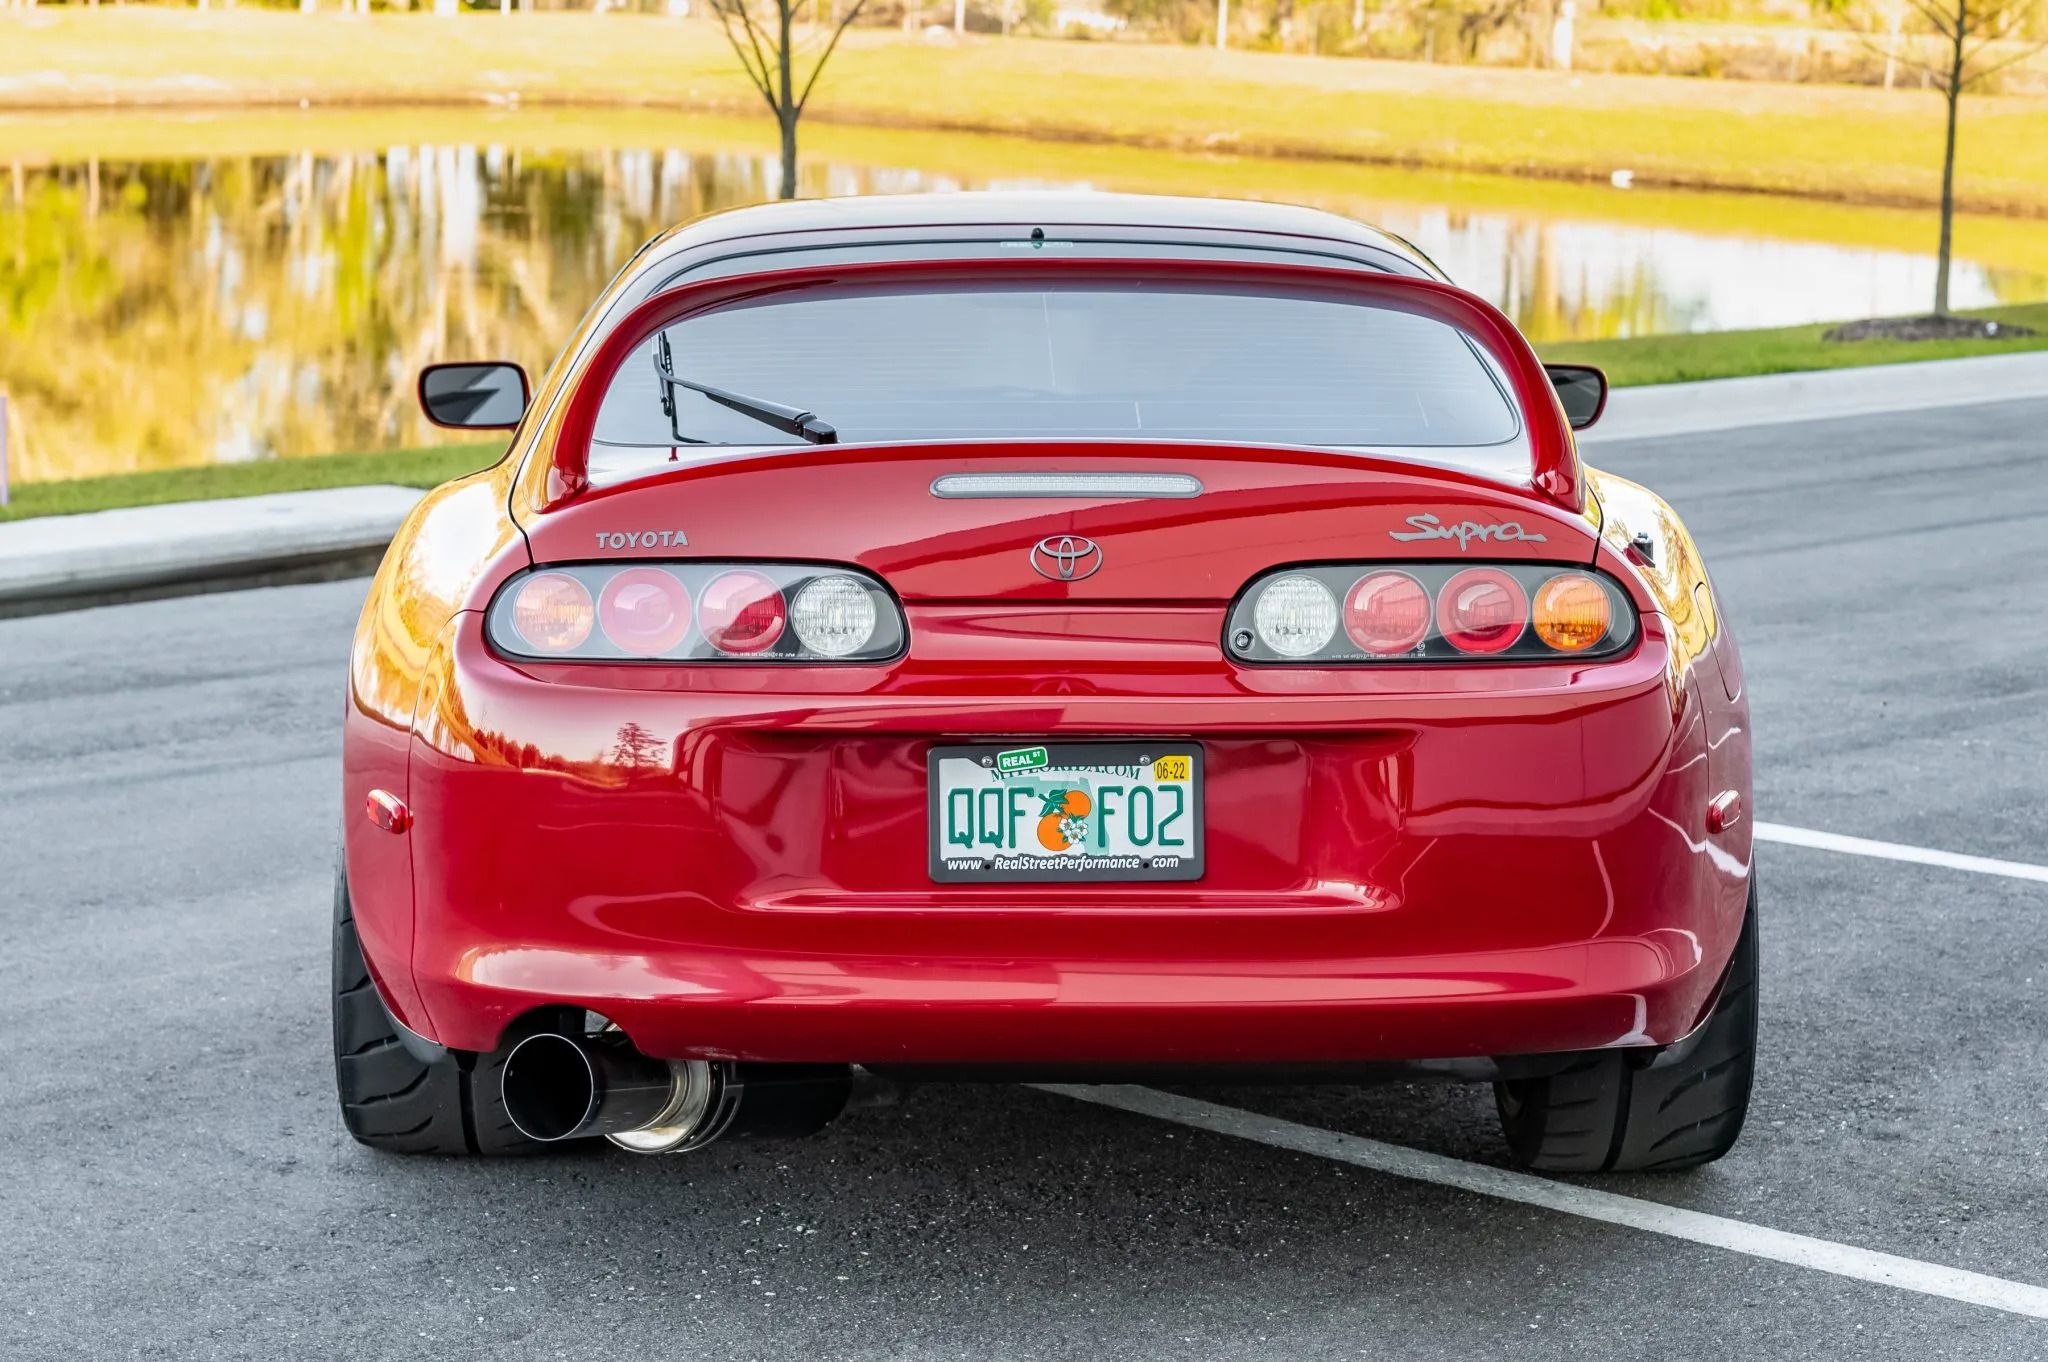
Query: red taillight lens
[(552, 612), (1386, 613), (742, 612), (1482, 610), (644, 610)]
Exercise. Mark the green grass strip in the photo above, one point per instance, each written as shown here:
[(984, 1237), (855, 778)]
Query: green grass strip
[(428, 467), (1780, 350)]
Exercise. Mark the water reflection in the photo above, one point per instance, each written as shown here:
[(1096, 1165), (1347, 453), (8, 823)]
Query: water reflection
[(161, 312)]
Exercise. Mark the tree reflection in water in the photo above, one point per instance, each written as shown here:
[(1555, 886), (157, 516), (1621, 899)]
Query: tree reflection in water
[(174, 312), (209, 309)]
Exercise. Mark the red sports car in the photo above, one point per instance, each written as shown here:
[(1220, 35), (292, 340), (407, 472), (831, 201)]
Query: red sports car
[(1075, 637)]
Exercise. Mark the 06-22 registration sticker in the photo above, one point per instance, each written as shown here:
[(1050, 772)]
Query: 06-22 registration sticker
[(1024, 811)]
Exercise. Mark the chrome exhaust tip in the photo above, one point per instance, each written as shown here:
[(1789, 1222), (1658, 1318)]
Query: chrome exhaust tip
[(561, 1087)]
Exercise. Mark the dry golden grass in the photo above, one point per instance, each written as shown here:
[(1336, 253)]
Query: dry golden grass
[(1854, 144)]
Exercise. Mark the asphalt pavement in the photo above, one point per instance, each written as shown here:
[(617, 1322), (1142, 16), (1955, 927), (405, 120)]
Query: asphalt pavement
[(175, 1182)]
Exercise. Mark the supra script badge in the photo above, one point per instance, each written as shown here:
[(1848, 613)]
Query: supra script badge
[(1465, 531)]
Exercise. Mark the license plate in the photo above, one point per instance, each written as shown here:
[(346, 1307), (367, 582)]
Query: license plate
[(1009, 812)]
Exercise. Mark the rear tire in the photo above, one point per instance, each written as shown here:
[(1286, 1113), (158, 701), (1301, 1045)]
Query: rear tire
[(392, 1101), (1610, 1111)]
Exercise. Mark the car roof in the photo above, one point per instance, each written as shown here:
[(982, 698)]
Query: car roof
[(903, 217)]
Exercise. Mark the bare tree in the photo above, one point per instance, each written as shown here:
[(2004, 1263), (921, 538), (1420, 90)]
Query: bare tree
[(767, 47), (1968, 29)]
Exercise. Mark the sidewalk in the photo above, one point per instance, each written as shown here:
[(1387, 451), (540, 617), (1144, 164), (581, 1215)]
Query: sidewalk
[(1771, 399), (64, 562)]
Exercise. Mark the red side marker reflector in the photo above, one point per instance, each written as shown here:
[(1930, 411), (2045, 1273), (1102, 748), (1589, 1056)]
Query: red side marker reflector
[(387, 811), (1724, 811)]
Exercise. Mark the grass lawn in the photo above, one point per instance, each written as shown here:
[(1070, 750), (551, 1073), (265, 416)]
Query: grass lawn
[(406, 467), (1864, 145), (1650, 359), (1785, 349)]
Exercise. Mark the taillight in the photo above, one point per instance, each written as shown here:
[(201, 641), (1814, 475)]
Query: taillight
[(1296, 616), (645, 610), (743, 613), (1386, 613), (834, 616), (696, 612), (1482, 610), (551, 612), (1572, 612), (1430, 612)]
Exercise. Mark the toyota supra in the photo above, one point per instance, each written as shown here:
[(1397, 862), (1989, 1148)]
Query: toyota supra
[(1080, 638)]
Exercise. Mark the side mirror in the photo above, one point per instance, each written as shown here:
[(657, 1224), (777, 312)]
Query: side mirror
[(474, 396), (1582, 389)]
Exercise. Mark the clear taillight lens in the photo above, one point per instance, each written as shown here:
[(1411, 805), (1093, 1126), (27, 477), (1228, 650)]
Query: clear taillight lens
[(833, 616), (1430, 612), (696, 612), (1296, 616)]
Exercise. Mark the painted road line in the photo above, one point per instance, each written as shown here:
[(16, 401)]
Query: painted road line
[(1895, 851), (1737, 1236)]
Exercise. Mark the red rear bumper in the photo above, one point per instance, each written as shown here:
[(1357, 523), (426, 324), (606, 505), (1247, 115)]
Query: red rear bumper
[(1401, 865)]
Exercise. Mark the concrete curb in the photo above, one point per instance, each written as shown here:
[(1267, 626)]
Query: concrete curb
[(1775, 399), (69, 562)]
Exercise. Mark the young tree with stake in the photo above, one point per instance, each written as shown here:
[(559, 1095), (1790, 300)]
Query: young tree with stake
[(1967, 28), (766, 45)]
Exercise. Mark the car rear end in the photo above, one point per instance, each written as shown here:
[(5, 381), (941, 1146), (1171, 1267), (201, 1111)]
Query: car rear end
[(1200, 664)]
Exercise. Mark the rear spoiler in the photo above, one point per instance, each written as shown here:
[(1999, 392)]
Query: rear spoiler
[(1555, 473)]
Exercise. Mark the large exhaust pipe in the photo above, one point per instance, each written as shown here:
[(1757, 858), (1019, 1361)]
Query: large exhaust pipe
[(570, 1087)]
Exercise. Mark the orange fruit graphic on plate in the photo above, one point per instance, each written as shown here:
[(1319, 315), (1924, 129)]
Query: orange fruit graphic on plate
[(1061, 825)]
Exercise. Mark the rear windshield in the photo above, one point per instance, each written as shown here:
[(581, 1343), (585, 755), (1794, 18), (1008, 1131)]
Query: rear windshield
[(1121, 362)]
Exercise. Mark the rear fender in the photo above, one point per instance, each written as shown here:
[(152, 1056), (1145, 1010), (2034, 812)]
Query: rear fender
[(459, 540), (1643, 540)]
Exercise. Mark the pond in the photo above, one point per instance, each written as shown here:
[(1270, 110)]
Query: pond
[(178, 290)]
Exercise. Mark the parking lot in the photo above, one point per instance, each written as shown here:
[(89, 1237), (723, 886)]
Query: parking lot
[(177, 1183)]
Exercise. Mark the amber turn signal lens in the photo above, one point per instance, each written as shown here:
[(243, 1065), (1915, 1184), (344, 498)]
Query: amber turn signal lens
[(1572, 612), (552, 612)]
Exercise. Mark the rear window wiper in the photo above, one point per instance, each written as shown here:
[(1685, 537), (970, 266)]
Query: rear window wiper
[(805, 425)]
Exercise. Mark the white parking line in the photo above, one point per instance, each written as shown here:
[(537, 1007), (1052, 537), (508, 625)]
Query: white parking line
[(1843, 1260), (1895, 851)]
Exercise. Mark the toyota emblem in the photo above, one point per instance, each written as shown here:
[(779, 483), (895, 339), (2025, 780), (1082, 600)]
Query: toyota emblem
[(1065, 557)]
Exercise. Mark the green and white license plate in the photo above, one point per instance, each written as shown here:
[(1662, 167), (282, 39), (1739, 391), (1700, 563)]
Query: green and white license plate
[(1008, 812)]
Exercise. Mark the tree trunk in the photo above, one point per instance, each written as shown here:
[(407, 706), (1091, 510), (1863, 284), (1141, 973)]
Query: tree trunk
[(788, 121), (1954, 91), (786, 110)]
